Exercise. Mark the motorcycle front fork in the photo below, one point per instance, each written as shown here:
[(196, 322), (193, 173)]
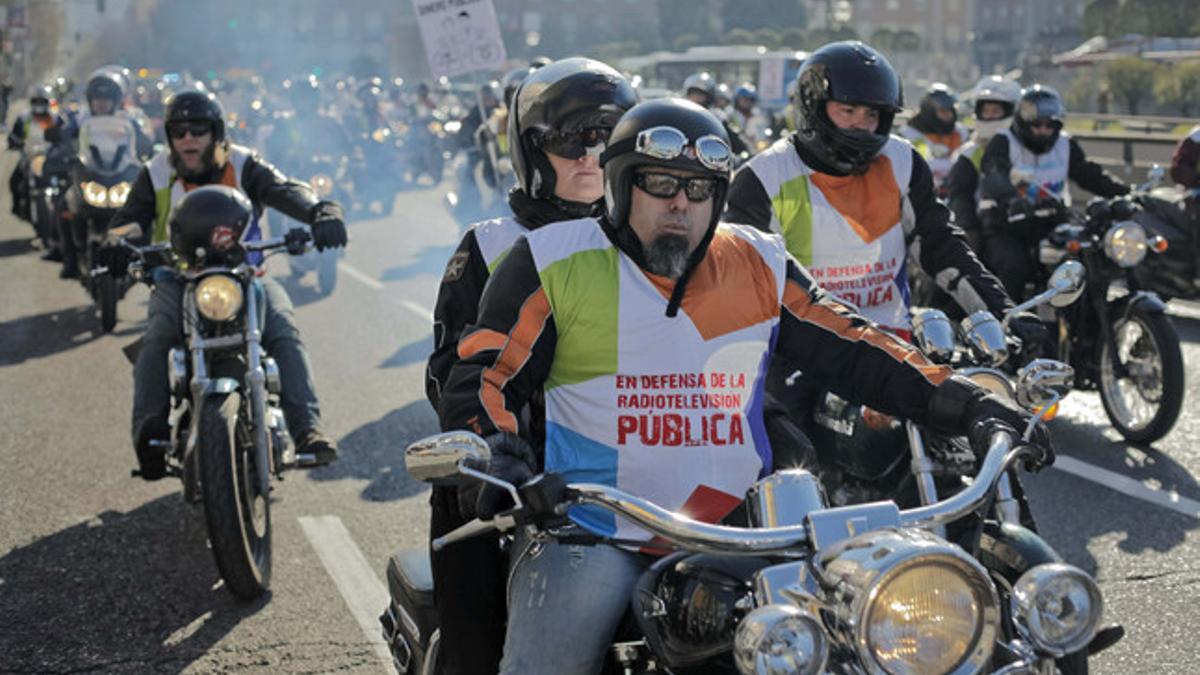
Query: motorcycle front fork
[(1007, 509)]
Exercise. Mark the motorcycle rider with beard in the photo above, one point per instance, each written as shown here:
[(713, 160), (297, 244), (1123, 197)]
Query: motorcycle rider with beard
[(1042, 158), (566, 112), (201, 154), (995, 100), (623, 322)]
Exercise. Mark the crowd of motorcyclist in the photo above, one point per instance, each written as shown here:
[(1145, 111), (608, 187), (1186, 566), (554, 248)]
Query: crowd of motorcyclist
[(644, 272)]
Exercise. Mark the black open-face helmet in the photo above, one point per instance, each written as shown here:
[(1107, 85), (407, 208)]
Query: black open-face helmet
[(191, 106), (567, 108), (937, 97), (207, 225), (667, 132), (701, 82), (104, 84), (1039, 104), (853, 73)]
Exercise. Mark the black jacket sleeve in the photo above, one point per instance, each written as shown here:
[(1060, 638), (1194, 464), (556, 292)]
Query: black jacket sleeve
[(943, 251), (456, 307), (139, 206), (995, 171), (267, 186), (851, 356), (748, 202), (505, 357), (1185, 163), (1091, 176), (962, 183)]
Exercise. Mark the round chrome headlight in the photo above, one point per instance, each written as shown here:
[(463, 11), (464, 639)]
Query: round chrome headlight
[(218, 297), (779, 639), (1057, 607), (322, 184), (1125, 243), (913, 603), (117, 194), (94, 194), (992, 380)]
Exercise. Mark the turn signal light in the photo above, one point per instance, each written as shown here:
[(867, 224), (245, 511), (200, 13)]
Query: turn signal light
[(1159, 244), (1073, 246)]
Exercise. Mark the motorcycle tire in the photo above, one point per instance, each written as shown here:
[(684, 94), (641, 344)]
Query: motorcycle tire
[(106, 298), (237, 514), (327, 272), (1160, 332)]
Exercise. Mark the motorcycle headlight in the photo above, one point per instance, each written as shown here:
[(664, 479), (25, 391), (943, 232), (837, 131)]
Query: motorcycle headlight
[(322, 184), (37, 164), (117, 195), (992, 380), (1057, 607), (453, 127), (435, 128), (94, 194), (1125, 243), (913, 603), (218, 297), (381, 134), (780, 639)]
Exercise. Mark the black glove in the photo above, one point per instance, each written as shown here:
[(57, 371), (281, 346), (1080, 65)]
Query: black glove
[(1019, 210), (959, 407), (1035, 339), (296, 239), (513, 461), (328, 230), (115, 258)]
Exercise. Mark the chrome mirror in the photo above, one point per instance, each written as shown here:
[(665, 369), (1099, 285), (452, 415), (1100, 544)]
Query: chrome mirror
[(1043, 381), (1067, 281), (985, 338), (1153, 178), (934, 334), (444, 455)]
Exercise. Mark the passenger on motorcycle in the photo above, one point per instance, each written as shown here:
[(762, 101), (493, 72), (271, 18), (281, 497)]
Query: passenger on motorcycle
[(648, 330), (1026, 168), (935, 132), (567, 110), (995, 98), (745, 116), (200, 154)]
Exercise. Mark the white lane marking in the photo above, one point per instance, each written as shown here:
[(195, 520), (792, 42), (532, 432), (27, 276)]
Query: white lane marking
[(1128, 486), (360, 275), (364, 594), (375, 284)]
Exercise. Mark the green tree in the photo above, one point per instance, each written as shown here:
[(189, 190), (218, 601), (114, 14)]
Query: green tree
[(884, 39), (738, 36), (791, 38), (1100, 17), (906, 41), (767, 37), (1179, 87), (685, 41), (755, 14), (1132, 80)]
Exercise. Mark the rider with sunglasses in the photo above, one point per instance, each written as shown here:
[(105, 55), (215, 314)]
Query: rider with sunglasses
[(1026, 170), (201, 154), (558, 124), (648, 330)]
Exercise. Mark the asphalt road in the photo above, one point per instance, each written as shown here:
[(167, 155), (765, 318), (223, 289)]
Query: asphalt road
[(103, 572)]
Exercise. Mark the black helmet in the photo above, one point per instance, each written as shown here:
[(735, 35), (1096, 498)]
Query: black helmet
[(206, 226), (190, 105), (846, 72), (106, 85), (513, 79), (369, 92), (41, 97), (702, 82), (635, 130), (1038, 103), (937, 97), (565, 97)]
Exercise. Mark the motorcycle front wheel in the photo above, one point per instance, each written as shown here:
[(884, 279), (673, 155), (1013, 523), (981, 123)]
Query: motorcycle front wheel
[(237, 512), (106, 300), (1143, 405)]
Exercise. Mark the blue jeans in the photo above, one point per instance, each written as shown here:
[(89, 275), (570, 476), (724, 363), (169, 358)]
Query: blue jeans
[(164, 330), (564, 605)]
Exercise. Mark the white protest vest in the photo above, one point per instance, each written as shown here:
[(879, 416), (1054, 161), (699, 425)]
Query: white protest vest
[(1046, 173)]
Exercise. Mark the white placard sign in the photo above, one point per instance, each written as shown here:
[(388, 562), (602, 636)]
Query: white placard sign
[(461, 36), (770, 79)]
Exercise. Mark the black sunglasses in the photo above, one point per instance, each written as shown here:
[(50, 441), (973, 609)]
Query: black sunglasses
[(575, 144), (666, 186), (196, 128)]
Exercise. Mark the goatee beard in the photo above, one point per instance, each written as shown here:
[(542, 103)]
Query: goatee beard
[(667, 256)]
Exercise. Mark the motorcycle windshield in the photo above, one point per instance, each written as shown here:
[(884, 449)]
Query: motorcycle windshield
[(107, 144)]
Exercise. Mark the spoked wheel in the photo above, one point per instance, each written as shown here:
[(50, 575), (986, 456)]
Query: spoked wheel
[(106, 300), (1144, 404), (237, 512)]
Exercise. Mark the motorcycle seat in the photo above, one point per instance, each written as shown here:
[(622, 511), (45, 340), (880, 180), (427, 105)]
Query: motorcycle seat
[(410, 575)]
